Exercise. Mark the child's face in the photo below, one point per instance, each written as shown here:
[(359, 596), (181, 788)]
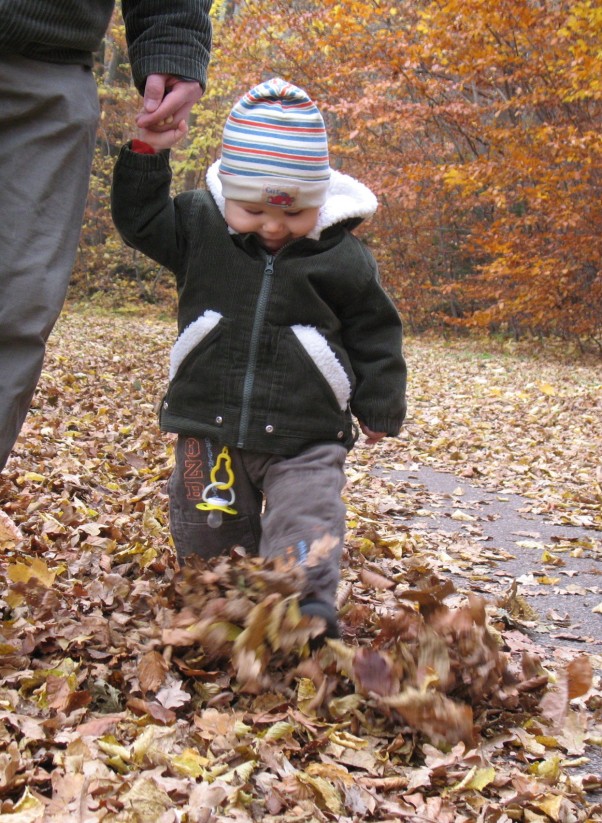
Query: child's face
[(274, 225)]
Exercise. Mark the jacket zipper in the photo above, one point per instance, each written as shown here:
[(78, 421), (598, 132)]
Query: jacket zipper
[(247, 390)]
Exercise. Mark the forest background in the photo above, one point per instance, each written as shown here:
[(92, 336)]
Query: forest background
[(476, 124)]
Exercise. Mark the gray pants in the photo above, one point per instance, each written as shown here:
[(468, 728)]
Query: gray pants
[(303, 518), (48, 123)]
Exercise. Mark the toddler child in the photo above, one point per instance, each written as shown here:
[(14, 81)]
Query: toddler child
[(284, 333)]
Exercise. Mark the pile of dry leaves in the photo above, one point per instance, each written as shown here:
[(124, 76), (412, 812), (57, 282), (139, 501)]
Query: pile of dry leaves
[(134, 691)]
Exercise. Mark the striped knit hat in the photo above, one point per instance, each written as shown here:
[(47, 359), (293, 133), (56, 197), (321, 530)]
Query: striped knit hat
[(275, 149)]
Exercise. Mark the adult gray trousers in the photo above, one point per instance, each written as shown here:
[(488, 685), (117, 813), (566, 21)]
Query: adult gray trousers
[(287, 507), (48, 118)]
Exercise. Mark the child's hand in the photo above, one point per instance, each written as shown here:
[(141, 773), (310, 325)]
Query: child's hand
[(371, 437), (163, 139)]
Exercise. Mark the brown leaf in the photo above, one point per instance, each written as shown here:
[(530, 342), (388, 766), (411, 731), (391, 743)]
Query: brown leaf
[(173, 696), (579, 675), (62, 697), (9, 533), (57, 691), (152, 708), (435, 715), (10, 763), (372, 580), (373, 672), (152, 669), (99, 725), (432, 597), (555, 703)]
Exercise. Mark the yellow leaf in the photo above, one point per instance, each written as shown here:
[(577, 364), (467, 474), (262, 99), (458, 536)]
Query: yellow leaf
[(366, 545), (147, 558), (151, 524), (325, 790), (13, 599), (339, 707), (550, 805), (481, 778), (529, 743), (34, 477), (463, 516), (240, 773), (348, 740), (552, 559), (549, 769), (146, 799), (546, 388), (24, 572), (279, 730), (306, 693), (475, 779), (110, 746), (330, 771), (529, 544), (547, 741), (453, 177), (28, 810), (241, 729), (190, 763)]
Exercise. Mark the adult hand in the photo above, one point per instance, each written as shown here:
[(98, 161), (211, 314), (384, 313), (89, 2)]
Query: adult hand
[(167, 100), (371, 437)]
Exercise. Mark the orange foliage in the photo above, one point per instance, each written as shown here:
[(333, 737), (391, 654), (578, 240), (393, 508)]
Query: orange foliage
[(476, 124)]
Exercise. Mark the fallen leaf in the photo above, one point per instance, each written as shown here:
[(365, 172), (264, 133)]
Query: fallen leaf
[(152, 670)]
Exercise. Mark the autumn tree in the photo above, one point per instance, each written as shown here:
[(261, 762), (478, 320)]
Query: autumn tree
[(532, 178), (476, 124)]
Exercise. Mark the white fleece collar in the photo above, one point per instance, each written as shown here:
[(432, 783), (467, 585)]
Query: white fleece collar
[(346, 199)]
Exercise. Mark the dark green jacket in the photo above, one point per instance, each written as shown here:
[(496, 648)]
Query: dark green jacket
[(274, 351), (164, 36)]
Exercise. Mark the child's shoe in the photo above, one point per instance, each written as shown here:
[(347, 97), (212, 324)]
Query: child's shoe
[(319, 608)]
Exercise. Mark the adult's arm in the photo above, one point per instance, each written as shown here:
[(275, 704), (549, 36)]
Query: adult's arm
[(168, 37)]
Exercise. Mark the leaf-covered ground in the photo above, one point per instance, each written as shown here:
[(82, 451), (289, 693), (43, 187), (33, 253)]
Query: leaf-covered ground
[(131, 691)]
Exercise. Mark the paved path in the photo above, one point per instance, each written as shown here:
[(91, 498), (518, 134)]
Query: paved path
[(515, 541)]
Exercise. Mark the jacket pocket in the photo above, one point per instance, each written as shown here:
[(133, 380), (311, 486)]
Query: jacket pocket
[(310, 387), (191, 337), (198, 363), (325, 360)]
